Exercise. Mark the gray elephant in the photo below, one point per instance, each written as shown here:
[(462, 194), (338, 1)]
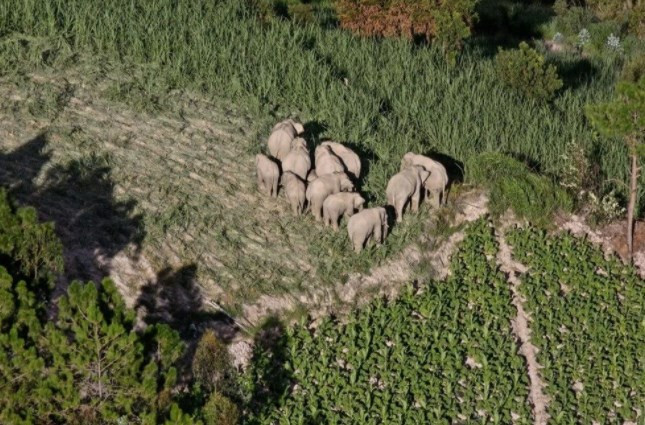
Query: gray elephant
[(282, 135), (367, 225), (436, 184), (350, 160), (341, 204), (268, 174), (294, 190), (324, 186), (327, 162), (298, 162), (405, 188), (299, 143)]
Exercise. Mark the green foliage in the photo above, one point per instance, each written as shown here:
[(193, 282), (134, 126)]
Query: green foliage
[(525, 70), (624, 116), (212, 368), (587, 320), (351, 86), (439, 355), (32, 245), (219, 410), (513, 185)]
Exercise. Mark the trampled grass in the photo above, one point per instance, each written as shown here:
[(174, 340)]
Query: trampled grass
[(383, 97)]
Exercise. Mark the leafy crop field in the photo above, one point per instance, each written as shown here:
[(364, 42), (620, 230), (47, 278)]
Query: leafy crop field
[(445, 353), (442, 354), (588, 320)]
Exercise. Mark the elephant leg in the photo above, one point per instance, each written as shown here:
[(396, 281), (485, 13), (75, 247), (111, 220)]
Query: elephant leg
[(378, 235), (358, 244), (436, 198), (334, 223), (415, 202), (399, 211)]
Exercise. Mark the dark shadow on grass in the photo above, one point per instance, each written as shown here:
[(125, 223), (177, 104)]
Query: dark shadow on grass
[(271, 378), (79, 197), (506, 23), (176, 299), (576, 72)]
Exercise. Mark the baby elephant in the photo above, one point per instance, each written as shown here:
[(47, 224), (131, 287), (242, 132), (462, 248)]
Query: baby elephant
[(294, 190), (324, 186), (405, 188), (367, 225), (341, 204), (268, 175)]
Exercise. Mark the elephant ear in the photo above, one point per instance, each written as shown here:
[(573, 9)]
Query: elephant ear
[(299, 127), (424, 175)]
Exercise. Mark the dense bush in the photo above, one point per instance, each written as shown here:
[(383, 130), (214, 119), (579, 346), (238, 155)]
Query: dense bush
[(513, 185), (219, 410), (31, 247), (525, 70)]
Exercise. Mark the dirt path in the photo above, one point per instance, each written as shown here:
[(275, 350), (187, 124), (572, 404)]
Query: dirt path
[(520, 325)]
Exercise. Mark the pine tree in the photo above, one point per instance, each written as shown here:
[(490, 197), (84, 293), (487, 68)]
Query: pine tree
[(624, 117)]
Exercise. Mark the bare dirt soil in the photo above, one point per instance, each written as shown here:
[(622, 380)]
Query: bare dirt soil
[(611, 237), (521, 325)]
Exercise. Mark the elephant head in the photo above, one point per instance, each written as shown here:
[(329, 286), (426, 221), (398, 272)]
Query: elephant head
[(359, 201), (299, 143), (408, 160), (346, 184)]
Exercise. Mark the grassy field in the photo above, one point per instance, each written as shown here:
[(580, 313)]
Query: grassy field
[(383, 98), (177, 187), (158, 108)]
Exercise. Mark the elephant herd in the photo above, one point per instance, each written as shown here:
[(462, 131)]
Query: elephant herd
[(326, 185)]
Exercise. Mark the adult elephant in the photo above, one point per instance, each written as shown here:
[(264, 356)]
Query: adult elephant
[(350, 160), (404, 188), (436, 184), (282, 135), (322, 187), (369, 225)]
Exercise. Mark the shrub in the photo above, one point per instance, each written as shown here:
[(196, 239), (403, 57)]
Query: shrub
[(219, 410), (447, 22), (513, 185), (212, 365), (525, 70)]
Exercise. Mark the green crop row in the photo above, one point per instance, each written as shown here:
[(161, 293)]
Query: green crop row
[(441, 355), (589, 324)]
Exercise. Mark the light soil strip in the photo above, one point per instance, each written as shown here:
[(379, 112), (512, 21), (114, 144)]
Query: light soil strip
[(520, 325)]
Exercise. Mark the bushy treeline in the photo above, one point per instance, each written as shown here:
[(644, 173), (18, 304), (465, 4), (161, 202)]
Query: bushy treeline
[(383, 97), (79, 358)]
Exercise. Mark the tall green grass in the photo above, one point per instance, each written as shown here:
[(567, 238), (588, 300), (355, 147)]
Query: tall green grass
[(384, 97)]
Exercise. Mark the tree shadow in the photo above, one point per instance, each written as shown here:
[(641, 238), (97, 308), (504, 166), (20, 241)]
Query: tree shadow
[(79, 197), (575, 71), (175, 298), (506, 23), (271, 379), (531, 163)]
